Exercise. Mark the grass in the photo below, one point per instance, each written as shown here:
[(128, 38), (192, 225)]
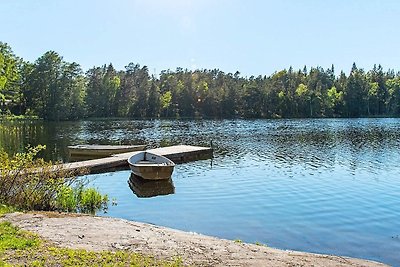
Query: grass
[(12, 238), (52, 256), (5, 209), (11, 117), (22, 248), (238, 241), (261, 244)]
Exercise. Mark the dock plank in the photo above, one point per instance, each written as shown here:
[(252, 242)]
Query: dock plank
[(184, 153), (178, 154)]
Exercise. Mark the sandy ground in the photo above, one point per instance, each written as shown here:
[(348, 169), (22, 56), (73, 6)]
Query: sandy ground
[(99, 233)]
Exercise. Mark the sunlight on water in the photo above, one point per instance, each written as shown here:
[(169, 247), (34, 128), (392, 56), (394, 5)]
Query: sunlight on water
[(325, 185)]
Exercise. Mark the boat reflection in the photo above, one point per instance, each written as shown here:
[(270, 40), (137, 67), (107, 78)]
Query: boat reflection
[(150, 188)]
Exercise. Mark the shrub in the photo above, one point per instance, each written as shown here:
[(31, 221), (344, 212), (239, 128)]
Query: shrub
[(30, 183), (80, 199), (66, 198), (91, 200)]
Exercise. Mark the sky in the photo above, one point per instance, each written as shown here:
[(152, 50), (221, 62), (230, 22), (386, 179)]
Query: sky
[(254, 37)]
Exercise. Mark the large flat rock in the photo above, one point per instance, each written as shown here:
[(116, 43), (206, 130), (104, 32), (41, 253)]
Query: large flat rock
[(101, 233)]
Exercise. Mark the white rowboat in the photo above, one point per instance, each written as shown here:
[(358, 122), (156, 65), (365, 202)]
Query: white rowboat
[(151, 166)]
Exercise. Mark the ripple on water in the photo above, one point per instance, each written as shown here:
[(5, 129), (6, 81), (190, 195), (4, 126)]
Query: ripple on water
[(320, 185)]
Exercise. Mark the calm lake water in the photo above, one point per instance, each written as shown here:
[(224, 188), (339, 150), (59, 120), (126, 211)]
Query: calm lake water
[(325, 185)]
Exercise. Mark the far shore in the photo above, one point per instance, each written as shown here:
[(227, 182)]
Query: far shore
[(101, 233)]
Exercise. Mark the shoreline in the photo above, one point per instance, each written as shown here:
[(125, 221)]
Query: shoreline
[(93, 233)]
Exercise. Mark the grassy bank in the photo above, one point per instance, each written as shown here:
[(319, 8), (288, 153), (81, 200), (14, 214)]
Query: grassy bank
[(22, 248)]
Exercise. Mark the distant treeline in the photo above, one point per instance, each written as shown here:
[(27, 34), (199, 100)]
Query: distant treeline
[(57, 90)]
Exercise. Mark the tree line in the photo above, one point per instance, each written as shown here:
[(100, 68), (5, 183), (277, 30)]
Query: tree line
[(54, 89)]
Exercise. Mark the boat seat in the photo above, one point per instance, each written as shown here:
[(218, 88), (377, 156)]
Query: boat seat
[(145, 162)]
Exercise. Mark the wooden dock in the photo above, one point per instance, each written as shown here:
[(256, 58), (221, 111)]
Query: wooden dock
[(178, 154)]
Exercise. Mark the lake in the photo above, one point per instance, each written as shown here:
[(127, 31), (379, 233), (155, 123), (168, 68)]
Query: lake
[(318, 185)]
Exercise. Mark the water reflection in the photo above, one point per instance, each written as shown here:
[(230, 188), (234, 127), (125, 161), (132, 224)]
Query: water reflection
[(317, 144), (15, 136), (150, 188), (321, 185), (354, 143)]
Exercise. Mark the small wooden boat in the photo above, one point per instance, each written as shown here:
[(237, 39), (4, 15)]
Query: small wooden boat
[(99, 151), (150, 188), (151, 166)]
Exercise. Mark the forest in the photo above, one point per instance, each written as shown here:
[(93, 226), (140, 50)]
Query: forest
[(54, 89)]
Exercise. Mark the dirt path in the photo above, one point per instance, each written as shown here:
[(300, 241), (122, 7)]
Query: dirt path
[(99, 233)]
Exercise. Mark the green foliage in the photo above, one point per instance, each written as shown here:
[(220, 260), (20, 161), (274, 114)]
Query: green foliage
[(101, 91), (261, 244), (3, 264), (9, 77), (8, 67), (302, 90), (166, 100), (53, 89), (80, 199), (356, 93), (154, 101), (5, 209), (57, 90), (90, 200), (12, 117), (11, 238), (393, 86), (66, 198), (30, 183), (334, 101)]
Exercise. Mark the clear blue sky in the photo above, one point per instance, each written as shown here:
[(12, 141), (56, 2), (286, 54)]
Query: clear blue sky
[(252, 36)]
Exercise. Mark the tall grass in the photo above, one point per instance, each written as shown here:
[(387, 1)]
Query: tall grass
[(80, 199), (30, 183)]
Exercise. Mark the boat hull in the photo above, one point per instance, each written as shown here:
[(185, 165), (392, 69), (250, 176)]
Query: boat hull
[(150, 166), (153, 172), (98, 151)]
